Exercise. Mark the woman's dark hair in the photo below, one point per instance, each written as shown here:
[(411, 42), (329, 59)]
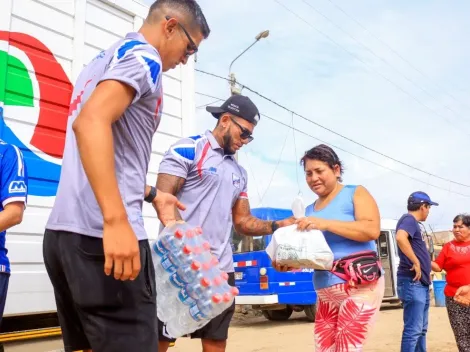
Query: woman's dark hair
[(324, 153), (465, 218)]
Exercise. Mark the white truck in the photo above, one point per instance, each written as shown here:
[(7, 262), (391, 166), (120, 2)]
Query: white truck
[(44, 44)]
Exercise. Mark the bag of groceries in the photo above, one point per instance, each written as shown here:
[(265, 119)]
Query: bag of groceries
[(300, 249)]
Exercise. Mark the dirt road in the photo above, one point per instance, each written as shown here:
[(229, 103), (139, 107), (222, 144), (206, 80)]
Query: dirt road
[(259, 335), (256, 334)]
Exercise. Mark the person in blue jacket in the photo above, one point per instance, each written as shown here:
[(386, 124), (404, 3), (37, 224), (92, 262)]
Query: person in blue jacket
[(13, 198)]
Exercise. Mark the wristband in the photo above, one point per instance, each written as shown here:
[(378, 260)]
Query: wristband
[(274, 226), (151, 196)]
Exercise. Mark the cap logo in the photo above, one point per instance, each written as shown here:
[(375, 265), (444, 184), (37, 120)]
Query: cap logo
[(232, 106), (256, 118)]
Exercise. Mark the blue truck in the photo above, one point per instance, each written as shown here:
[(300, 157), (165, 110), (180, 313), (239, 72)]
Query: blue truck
[(277, 294)]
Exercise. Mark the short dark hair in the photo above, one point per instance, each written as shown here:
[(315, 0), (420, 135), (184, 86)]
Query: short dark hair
[(188, 8), (324, 153), (465, 218), (415, 206)]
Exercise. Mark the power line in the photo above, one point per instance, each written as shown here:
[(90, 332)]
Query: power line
[(395, 52), (370, 67), (356, 155), (361, 157), (204, 105), (339, 134), (376, 55), (277, 165)]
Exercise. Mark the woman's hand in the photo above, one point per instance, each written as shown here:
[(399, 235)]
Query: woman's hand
[(462, 295), (281, 268), (311, 223)]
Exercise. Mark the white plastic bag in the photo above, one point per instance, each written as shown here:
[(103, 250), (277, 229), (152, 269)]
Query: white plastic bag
[(300, 249)]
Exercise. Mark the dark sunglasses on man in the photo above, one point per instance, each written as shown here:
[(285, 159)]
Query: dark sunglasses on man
[(192, 47), (245, 134)]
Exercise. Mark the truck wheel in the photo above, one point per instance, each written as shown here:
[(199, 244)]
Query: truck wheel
[(278, 315), (310, 312)]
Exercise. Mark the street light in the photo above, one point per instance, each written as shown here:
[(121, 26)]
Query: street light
[(233, 89)]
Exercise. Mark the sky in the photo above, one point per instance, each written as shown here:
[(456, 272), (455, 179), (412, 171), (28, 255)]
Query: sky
[(392, 76)]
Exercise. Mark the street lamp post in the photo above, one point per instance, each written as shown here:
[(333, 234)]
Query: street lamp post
[(233, 88)]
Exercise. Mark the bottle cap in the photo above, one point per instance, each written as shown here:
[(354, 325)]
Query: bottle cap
[(217, 281), (234, 291), (186, 250), (205, 282), (195, 265), (197, 250), (227, 297), (206, 246), (214, 260), (198, 230), (216, 298), (224, 275), (190, 233), (179, 234)]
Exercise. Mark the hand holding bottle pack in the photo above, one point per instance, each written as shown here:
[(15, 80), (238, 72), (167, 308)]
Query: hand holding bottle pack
[(191, 289), (300, 249)]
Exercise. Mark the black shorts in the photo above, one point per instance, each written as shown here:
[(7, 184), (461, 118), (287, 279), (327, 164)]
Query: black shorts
[(97, 311), (4, 280), (216, 329)]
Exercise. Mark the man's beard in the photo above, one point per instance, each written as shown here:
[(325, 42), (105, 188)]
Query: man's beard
[(228, 142)]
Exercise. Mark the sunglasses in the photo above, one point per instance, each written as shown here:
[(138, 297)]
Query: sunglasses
[(246, 134), (192, 47)]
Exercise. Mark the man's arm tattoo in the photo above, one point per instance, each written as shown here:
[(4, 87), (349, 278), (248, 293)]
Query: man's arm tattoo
[(247, 224), (170, 184)]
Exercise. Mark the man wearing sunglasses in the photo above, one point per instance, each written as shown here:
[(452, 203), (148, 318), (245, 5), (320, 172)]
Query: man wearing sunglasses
[(95, 245), (204, 174)]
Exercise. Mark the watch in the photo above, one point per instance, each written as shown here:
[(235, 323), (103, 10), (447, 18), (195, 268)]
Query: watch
[(151, 196), (274, 226)]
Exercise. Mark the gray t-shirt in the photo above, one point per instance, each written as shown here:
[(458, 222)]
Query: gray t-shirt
[(134, 62), (214, 182)]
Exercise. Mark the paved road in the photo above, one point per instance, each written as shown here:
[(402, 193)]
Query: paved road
[(256, 334)]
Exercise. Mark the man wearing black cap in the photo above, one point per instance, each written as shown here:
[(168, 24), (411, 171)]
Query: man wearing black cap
[(414, 272), (204, 175)]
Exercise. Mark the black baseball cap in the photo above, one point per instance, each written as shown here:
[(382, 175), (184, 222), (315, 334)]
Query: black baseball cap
[(238, 105), (420, 198)]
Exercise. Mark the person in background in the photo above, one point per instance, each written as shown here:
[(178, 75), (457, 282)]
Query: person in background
[(454, 258), (204, 174), (13, 199), (96, 249), (414, 272), (349, 218)]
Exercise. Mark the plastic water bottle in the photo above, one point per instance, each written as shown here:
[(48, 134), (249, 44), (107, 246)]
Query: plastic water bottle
[(198, 290), (172, 241), (190, 274), (159, 249), (191, 288), (182, 257), (195, 317)]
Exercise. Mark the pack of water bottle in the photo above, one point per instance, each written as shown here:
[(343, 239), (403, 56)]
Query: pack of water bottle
[(191, 289)]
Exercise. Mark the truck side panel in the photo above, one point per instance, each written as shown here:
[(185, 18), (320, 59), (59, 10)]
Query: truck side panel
[(43, 47)]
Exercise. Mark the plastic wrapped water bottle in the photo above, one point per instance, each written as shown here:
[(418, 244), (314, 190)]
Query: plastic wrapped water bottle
[(195, 317), (191, 289)]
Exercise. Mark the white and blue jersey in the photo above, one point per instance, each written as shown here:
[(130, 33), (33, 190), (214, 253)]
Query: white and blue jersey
[(13, 188)]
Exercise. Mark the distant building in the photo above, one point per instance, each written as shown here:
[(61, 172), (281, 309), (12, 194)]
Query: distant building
[(442, 237)]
